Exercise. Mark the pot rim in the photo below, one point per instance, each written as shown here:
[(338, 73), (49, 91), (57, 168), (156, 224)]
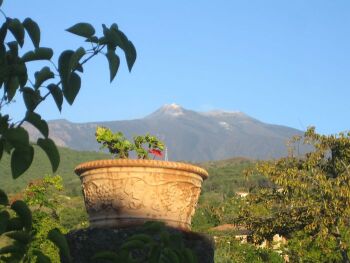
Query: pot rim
[(90, 165)]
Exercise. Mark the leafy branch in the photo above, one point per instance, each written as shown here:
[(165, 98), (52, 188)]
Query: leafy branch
[(14, 139)]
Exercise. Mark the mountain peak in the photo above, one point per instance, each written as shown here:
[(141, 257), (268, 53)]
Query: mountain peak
[(172, 110)]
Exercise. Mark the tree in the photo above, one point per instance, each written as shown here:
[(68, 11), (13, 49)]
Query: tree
[(311, 198)]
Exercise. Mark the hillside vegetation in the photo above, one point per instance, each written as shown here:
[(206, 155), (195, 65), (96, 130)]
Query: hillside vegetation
[(226, 177), (41, 166)]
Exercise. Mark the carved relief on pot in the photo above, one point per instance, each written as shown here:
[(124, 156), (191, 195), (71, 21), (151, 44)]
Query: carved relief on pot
[(114, 195)]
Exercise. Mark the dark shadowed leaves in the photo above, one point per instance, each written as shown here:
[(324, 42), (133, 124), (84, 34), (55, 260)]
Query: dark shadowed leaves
[(20, 236), (36, 120), (13, 46), (60, 241), (3, 32), (4, 219), (106, 255), (72, 87), (3, 198), (51, 151), (33, 31), (41, 76), (17, 30), (41, 53), (11, 87), (74, 60), (130, 54), (21, 159), (41, 257), (31, 98), (82, 29), (21, 71), (23, 212), (57, 95), (63, 65), (17, 137), (113, 61)]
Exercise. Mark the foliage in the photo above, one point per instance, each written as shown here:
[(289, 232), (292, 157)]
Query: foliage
[(41, 166), (60, 82), (157, 244), (229, 249), (227, 177), (20, 234), (120, 147), (311, 200), (14, 140)]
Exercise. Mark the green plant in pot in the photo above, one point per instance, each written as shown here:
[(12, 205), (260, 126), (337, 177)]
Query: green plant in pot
[(125, 192), (120, 147)]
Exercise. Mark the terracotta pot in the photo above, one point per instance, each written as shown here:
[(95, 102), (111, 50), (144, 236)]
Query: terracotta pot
[(122, 193)]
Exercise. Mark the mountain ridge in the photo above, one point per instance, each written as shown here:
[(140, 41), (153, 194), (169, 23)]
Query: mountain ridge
[(188, 135)]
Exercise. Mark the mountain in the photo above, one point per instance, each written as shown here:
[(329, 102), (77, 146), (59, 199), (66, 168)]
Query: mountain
[(188, 135)]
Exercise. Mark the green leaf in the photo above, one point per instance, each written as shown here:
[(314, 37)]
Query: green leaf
[(60, 241), (17, 137), (71, 89), (142, 237), (41, 76), (57, 95), (113, 61), (82, 29), (20, 236), (17, 30), (31, 98), (13, 46), (41, 53), (23, 212), (16, 249), (21, 159), (51, 151), (21, 71), (63, 65), (3, 198), (189, 256), (4, 123), (15, 223), (93, 39), (106, 255), (112, 36), (3, 32), (36, 120), (74, 60), (130, 54), (102, 40), (11, 87), (171, 256), (132, 244), (41, 257), (4, 219), (33, 31)]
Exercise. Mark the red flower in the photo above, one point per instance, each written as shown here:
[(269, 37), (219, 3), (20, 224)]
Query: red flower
[(156, 152)]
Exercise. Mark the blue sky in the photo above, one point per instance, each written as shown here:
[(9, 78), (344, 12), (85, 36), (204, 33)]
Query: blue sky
[(282, 62)]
